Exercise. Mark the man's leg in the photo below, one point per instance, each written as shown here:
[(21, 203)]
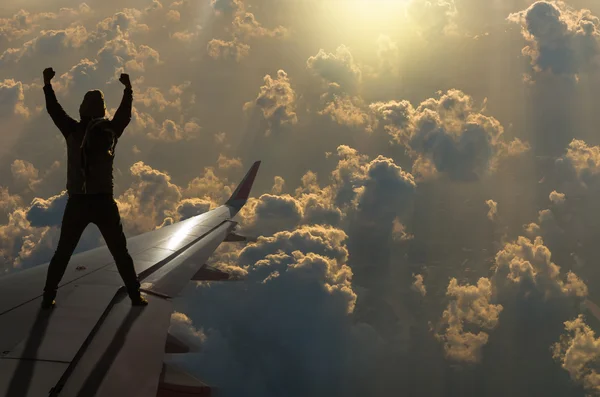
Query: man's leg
[(73, 224), (108, 220)]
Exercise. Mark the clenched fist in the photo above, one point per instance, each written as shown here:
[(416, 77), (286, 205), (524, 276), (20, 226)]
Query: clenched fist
[(124, 79), (48, 75)]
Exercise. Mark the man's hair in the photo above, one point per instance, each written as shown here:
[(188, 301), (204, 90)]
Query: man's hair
[(93, 105)]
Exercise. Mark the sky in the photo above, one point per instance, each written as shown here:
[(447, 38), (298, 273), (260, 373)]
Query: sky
[(427, 202)]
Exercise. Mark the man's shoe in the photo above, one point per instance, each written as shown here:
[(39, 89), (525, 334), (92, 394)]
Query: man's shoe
[(48, 302), (138, 300)]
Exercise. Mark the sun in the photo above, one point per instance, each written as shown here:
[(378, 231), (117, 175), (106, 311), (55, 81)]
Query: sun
[(374, 9), (362, 13)]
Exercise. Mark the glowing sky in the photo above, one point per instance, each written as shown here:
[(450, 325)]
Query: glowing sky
[(428, 197)]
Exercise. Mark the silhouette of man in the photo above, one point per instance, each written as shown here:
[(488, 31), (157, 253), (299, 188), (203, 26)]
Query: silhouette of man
[(90, 152)]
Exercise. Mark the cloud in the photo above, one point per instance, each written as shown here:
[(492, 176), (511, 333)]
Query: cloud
[(581, 162), (562, 41), (273, 213), (356, 218), (47, 212), (322, 240), (470, 305), (345, 109), (172, 132), (24, 22), (338, 68), (210, 187), (30, 235), (277, 100), (493, 212), (153, 99), (529, 262), (48, 42), (151, 198), (287, 269), (20, 24), (433, 17), (246, 26), (399, 231), (188, 36), (557, 224), (12, 99), (226, 163), (524, 279), (24, 172), (557, 198), (122, 23), (448, 135), (21, 244), (277, 185), (387, 190), (388, 55), (9, 202), (375, 192), (173, 16), (418, 285), (577, 352), (228, 50), (190, 207), (547, 227), (181, 327), (121, 54), (226, 6), (78, 78)]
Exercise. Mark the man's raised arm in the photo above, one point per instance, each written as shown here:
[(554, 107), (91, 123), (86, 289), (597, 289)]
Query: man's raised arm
[(61, 119), (122, 116)]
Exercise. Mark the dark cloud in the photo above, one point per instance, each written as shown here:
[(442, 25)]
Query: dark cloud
[(339, 68), (190, 207), (563, 41), (226, 6), (47, 212), (448, 135), (306, 271)]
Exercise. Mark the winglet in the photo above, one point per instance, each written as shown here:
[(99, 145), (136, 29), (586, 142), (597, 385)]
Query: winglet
[(242, 192)]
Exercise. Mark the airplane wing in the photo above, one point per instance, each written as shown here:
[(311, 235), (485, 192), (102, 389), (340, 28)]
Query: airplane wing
[(94, 343)]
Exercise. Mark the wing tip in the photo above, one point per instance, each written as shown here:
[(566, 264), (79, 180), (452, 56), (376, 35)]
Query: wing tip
[(242, 192)]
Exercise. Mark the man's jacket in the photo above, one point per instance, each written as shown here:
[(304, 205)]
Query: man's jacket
[(100, 181)]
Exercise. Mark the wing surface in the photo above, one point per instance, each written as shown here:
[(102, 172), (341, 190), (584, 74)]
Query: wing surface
[(94, 343)]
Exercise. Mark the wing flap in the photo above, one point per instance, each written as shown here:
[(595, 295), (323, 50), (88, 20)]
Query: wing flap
[(207, 273), (176, 382)]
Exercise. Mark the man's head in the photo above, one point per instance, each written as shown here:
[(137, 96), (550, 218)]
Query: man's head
[(93, 105)]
